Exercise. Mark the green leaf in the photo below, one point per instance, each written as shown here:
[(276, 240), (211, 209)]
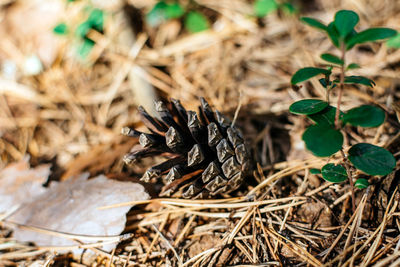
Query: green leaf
[(394, 42), (361, 183), (325, 116), (334, 173), (365, 116), (96, 19), (307, 106), (345, 21), (264, 7), (174, 11), (314, 23), (289, 8), (333, 34), (157, 15), (306, 73), (61, 29), (196, 22), (352, 66), (323, 82), (315, 171), (373, 160), (332, 59), (322, 140), (83, 29), (359, 80), (348, 37), (85, 47), (370, 35)]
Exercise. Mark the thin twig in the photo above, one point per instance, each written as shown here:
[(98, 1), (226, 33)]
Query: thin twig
[(168, 244)]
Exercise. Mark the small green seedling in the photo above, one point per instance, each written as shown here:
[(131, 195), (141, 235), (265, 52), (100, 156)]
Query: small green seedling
[(94, 21), (324, 138), (193, 20)]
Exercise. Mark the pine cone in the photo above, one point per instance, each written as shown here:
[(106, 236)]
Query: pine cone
[(206, 155)]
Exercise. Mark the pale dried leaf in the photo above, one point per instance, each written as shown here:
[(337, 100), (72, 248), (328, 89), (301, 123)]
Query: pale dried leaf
[(73, 207), (19, 183)]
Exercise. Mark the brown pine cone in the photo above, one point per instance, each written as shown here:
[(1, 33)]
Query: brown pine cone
[(206, 155)]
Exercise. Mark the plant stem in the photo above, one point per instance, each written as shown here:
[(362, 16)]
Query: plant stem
[(341, 86), (338, 125), (349, 176), (327, 95)]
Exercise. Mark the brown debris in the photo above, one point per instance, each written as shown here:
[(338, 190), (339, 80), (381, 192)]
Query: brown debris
[(72, 113)]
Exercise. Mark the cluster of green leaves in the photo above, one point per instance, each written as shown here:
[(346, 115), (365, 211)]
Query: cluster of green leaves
[(324, 138), (341, 30), (94, 21), (194, 21), (264, 7)]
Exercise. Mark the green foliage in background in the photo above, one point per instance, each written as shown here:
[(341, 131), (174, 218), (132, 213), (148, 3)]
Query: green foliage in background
[(194, 21), (94, 21), (325, 138), (264, 7)]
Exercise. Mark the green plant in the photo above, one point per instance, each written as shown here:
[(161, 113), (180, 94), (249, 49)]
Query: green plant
[(94, 21), (194, 21), (394, 41), (324, 138), (265, 7)]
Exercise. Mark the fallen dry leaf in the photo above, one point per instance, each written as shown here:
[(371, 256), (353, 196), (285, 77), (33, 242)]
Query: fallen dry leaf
[(66, 208), (73, 207), (19, 183)]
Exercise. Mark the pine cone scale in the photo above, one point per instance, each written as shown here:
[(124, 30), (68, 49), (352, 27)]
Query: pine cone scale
[(153, 124), (195, 156)]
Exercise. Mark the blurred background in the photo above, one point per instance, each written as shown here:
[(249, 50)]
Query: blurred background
[(72, 73)]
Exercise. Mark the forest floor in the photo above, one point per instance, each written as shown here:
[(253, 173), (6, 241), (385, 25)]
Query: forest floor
[(65, 109)]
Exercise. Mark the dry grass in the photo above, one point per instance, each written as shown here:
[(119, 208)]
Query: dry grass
[(72, 113)]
